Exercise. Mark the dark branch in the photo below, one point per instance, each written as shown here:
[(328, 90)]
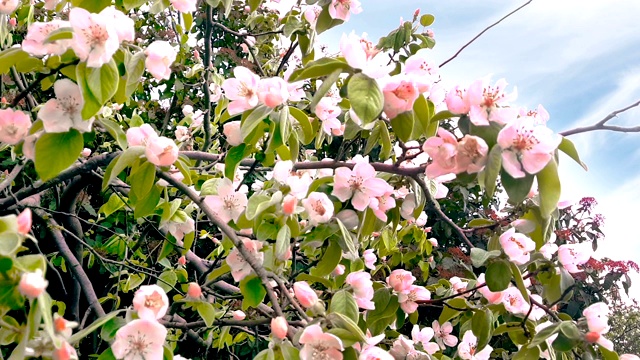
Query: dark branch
[(602, 124)]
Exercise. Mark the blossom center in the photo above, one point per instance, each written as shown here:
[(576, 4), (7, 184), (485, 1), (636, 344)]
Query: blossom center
[(319, 207), (525, 140), (138, 345), (404, 91), (153, 301)]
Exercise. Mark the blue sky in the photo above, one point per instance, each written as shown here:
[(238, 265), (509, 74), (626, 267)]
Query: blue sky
[(579, 58)]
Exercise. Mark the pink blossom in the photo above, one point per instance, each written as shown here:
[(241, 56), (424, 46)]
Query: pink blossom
[(370, 259), (572, 255), (179, 229), (342, 9), (312, 13), (7, 7), (408, 207), (151, 302), (63, 327), (51, 4), (593, 337), (216, 92), (65, 111), (517, 246), (240, 268), (24, 221), (403, 348), (468, 348), (95, 39), (492, 297), (229, 203), (318, 207), (442, 334), (362, 287), (182, 260), (125, 28), (305, 294), (279, 327), (64, 352), (161, 151), (339, 270), (182, 133), (359, 54), (360, 183), (14, 126), (32, 284), (34, 42), (400, 92), (547, 250), (140, 136), (327, 110), (381, 204), (458, 285), (241, 90), (160, 56), (238, 315), (184, 6), (140, 339), (472, 154), (423, 68), (231, 130), (194, 290), (540, 115), (457, 100), (443, 150), (526, 147), (629, 357), (289, 205), (273, 91), (424, 337), (86, 152), (514, 302), (375, 353), (489, 103), (319, 345), (408, 298), (597, 316), (400, 280)]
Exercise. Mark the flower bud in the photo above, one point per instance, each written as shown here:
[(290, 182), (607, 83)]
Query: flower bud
[(86, 152), (231, 130), (238, 315), (592, 337), (339, 270), (289, 204), (182, 261), (13, 22), (161, 151), (279, 327), (24, 221), (32, 284), (194, 290), (305, 294)]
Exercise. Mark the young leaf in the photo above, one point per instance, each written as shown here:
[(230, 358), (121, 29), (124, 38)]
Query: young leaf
[(57, 151), (366, 97)]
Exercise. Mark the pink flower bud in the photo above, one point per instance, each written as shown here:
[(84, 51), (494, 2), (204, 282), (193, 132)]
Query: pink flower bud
[(339, 270), (289, 204), (137, 136), (238, 315), (196, 54), (592, 337), (430, 33), (24, 221), (279, 327), (194, 290), (32, 284), (13, 22), (231, 130), (305, 294), (247, 9), (416, 13), (160, 56), (86, 152), (14, 126), (161, 151), (182, 261), (400, 280)]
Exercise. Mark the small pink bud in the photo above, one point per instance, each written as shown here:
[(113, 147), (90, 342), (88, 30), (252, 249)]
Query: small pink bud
[(416, 13), (32, 284), (24, 221), (279, 327), (339, 270), (161, 151), (4, 100), (194, 290), (182, 261), (13, 22), (430, 33), (238, 315), (289, 204), (247, 9), (86, 152), (196, 54), (305, 294), (592, 337)]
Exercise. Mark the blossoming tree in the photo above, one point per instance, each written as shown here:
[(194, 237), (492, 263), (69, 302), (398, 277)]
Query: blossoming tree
[(199, 178)]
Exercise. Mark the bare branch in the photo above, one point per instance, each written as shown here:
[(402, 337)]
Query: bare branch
[(12, 176), (602, 124), (484, 31)]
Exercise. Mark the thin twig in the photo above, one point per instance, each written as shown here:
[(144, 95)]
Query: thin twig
[(242, 37), (206, 123), (27, 90), (484, 31), (12, 176), (602, 124)]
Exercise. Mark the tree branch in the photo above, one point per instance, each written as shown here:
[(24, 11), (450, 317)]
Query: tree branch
[(602, 124), (242, 37), (484, 31), (12, 176), (26, 91), (207, 68)]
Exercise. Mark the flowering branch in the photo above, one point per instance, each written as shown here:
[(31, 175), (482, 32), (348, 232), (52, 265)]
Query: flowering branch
[(484, 31), (230, 233), (602, 124)]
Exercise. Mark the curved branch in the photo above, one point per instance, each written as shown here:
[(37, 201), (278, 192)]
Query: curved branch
[(484, 31), (77, 270), (602, 124), (231, 234)]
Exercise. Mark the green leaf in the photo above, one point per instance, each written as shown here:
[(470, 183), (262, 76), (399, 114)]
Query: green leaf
[(254, 4), (482, 326), (232, 160), (423, 111), (402, 125), (564, 344), (253, 292), (93, 6), (384, 313), (449, 312), (344, 303), (283, 241), (15, 56), (112, 205), (97, 86), (527, 353), (57, 151), (319, 68), (9, 244), (135, 68), (347, 242), (121, 162), (330, 259), (544, 334), (325, 21), (491, 170), (147, 205), (324, 88), (130, 4), (498, 275), (517, 275), (346, 323), (75, 338), (63, 33), (169, 280), (427, 19), (480, 256), (266, 354), (549, 188), (115, 131), (252, 120), (480, 222), (567, 147), (517, 189), (607, 354), (207, 313), (305, 124), (366, 97), (142, 179)]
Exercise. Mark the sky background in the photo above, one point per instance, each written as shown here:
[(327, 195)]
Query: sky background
[(580, 59)]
